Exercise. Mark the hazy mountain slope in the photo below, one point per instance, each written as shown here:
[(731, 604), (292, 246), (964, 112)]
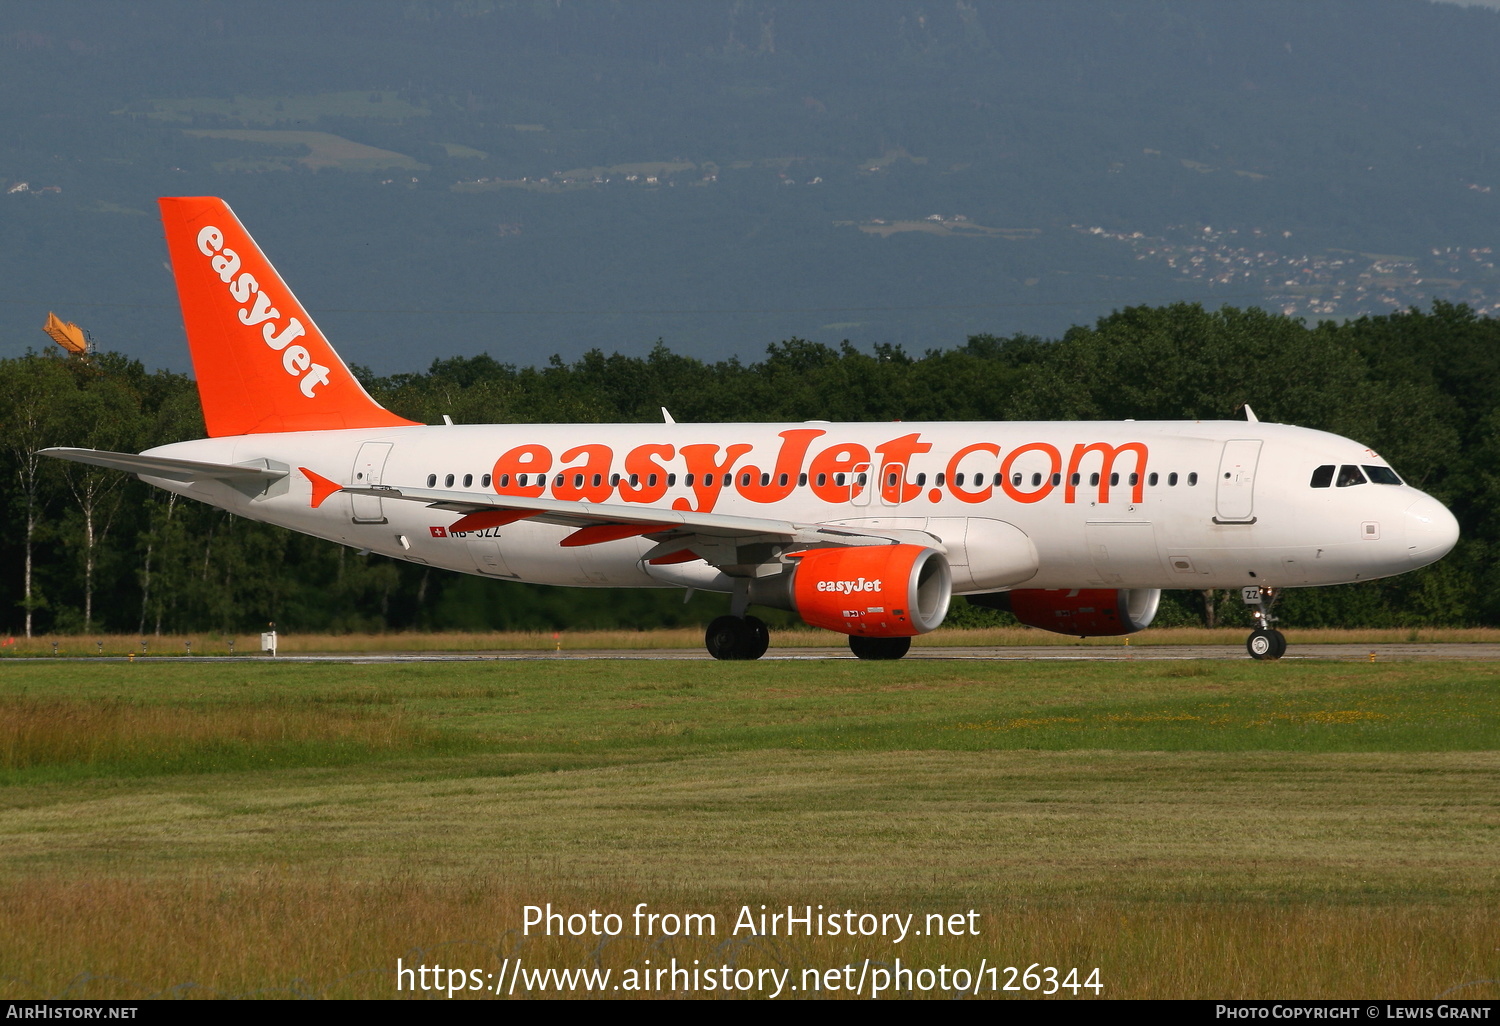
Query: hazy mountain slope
[(798, 151)]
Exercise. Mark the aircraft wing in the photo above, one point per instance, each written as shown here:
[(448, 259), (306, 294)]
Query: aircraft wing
[(258, 473), (748, 546)]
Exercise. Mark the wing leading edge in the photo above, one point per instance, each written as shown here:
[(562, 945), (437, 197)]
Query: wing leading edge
[(738, 545)]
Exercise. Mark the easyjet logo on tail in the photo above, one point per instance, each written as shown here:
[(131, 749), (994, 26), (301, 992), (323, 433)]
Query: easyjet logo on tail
[(256, 307)]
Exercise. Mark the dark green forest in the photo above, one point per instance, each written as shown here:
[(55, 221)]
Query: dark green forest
[(104, 552)]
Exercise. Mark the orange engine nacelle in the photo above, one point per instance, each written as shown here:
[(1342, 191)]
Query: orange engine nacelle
[(1082, 612), (877, 591)]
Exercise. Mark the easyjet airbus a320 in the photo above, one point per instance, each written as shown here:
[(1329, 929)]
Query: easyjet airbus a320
[(864, 529)]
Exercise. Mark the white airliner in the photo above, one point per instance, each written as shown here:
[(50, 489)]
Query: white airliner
[(864, 529)]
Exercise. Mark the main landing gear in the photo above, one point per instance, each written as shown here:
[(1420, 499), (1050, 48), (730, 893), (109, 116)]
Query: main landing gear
[(737, 637), (878, 648), (1265, 642)]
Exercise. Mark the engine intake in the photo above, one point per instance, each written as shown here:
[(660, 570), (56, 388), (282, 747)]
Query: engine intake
[(878, 591)]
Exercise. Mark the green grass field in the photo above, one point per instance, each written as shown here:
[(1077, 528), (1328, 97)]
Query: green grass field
[(1191, 829), (692, 638)]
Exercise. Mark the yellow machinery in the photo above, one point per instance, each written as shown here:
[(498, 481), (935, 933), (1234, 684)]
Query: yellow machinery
[(66, 334)]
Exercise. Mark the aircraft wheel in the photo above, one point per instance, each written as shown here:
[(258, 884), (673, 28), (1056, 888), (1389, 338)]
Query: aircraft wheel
[(1266, 644), (723, 637), (757, 638), (735, 637), (879, 648)]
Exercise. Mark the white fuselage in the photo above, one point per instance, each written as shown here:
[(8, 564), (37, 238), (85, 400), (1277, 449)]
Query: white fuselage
[(1214, 504)]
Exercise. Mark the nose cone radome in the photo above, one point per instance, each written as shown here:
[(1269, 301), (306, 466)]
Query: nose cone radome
[(1431, 531)]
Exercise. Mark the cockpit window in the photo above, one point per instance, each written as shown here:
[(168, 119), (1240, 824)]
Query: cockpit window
[(1382, 475), (1350, 475), (1323, 476)]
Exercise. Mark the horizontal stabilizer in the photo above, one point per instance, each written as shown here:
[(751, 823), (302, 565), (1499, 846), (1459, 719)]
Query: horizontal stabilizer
[(170, 469)]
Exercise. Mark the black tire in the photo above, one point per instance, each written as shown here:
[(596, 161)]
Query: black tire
[(1266, 644), (725, 638), (757, 638), (879, 648)]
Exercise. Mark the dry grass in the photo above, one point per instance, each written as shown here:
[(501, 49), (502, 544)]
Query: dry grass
[(692, 638), (80, 738), (978, 826), (1228, 866), (280, 934)]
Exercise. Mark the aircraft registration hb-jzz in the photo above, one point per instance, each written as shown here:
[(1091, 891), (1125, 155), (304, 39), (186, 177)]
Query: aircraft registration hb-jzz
[(864, 529)]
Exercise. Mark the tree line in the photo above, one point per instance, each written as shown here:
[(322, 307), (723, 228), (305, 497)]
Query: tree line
[(87, 549)]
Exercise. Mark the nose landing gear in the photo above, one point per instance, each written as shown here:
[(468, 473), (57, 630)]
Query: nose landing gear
[(1265, 642)]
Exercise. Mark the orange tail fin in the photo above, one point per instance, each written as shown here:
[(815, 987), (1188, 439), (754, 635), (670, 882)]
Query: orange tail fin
[(262, 364)]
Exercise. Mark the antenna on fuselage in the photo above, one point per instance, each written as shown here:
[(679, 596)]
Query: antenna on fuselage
[(666, 418), (1250, 415)]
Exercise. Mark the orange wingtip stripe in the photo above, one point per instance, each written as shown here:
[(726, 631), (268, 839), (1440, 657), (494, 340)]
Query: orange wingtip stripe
[(490, 518), (322, 488), (685, 556), (597, 533)]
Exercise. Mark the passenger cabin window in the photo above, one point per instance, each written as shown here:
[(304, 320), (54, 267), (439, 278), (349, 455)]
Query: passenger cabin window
[(1150, 479), (1349, 476), (1193, 478), (484, 482), (448, 481), (468, 480), (1172, 479), (1382, 475), (1323, 476), (431, 480)]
